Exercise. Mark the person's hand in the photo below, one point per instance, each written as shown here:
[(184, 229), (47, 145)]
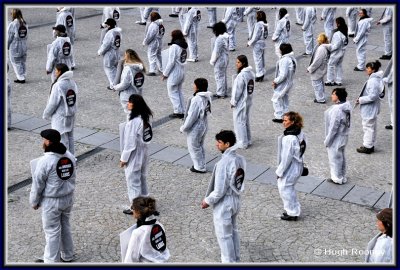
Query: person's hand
[(122, 164), (378, 23), (274, 85), (357, 101), (48, 72), (36, 207), (204, 205), (163, 77)]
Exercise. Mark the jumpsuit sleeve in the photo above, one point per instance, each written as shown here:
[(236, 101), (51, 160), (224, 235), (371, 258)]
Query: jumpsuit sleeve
[(278, 30), (283, 72), (188, 24), (220, 186), (307, 19), (106, 45), (134, 247), (286, 154), (171, 60), (335, 43), (126, 80), (361, 29), (10, 35), (237, 90), (372, 93), (256, 35), (324, 13), (215, 53), (53, 102), (130, 137), (51, 58), (318, 59), (332, 129), (192, 117), (387, 17), (151, 34), (39, 179), (228, 15)]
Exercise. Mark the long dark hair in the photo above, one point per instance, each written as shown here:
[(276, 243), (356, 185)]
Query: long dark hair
[(17, 14), (260, 16), (177, 35), (140, 108), (219, 28), (134, 57), (342, 27), (245, 63), (62, 68), (375, 66), (282, 13)]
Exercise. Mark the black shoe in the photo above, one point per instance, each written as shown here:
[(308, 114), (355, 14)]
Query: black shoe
[(319, 102), (357, 69), (389, 127), (277, 120), (151, 74), (365, 150), (260, 79), (232, 50), (177, 115), (329, 84), (288, 218), (209, 26), (337, 84), (109, 88), (39, 260), (299, 23), (192, 169), (173, 15), (127, 212), (19, 81), (351, 35), (385, 57), (142, 23), (72, 68)]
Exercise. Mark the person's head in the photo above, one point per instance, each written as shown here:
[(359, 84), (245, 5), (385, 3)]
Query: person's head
[(52, 141), (241, 62), (111, 23), (225, 139), (60, 30), (322, 39), (154, 16), (362, 13), (131, 56), (339, 94), (282, 12), (143, 207), (260, 16), (285, 48), (16, 14), (384, 221), (372, 67), (176, 35), (60, 69), (292, 119), (341, 25), (200, 85), (138, 106), (219, 28)]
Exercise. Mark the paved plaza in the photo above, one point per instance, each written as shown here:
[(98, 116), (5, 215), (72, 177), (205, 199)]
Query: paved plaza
[(336, 221)]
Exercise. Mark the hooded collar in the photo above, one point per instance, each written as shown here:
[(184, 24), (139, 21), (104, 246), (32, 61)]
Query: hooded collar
[(180, 42), (66, 75), (292, 130)]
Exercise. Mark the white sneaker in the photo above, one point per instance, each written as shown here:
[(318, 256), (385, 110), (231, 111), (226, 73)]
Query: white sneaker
[(192, 60)]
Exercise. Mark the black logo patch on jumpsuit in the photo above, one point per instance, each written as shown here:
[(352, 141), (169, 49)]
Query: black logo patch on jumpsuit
[(115, 14), (69, 21), (265, 32), (239, 178), (66, 48), (70, 97), (117, 41), (348, 119), (183, 56), (22, 31), (288, 26), (138, 80), (147, 132), (161, 30), (65, 168), (157, 238), (250, 87), (198, 16)]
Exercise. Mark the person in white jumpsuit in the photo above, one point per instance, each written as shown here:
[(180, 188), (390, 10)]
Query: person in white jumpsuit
[(380, 248), (66, 18), (145, 13), (250, 12), (370, 103), (362, 31), (132, 78), (148, 241), (282, 31), (242, 100), (257, 41), (175, 72), (291, 147), (182, 15), (153, 40), (109, 49), (195, 124), (387, 25), (223, 194), (337, 50), (351, 14), (135, 135), (308, 27), (62, 105), (190, 31), (9, 111), (59, 52), (318, 67), (328, 15), (220, 60), (283, 82), (388, 80), (300, 15), (212, 16), (108, 13), (337, 127), (17, 36), (53, 186), (231, 20)]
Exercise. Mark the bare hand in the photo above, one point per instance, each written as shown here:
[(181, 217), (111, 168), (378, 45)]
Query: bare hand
[(48, 72), (204, 205), (122, 164), (163, 77), (274, 85), (36, 207)]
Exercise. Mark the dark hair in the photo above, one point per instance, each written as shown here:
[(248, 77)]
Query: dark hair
[(296, 118), (365, 14), (111, 22), (176, 35), (374, 65), (260, 16), (226, 136), (17, 14), (62, 68), (341, 93), (154, 16), (140, 108), (135, 57), (282, 12), (201, 84), (386, 217), (285, 48), (342, 26), (242, 59), (145, 206), (219, 28)]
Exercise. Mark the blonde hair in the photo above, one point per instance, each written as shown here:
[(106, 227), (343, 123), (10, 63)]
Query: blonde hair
[(322, 39)]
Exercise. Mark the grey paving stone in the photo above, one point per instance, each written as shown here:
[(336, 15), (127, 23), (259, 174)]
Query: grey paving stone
[(155, 147), (383, 201), (308, 183), (18, 117), (31, 124), (254, 170), (332, 191), (363, 196), (267, 177), (380, 49), (113, 145), (81, 132), (187, 161), (170, 154), (38, 130), (370, 47), (98, 138)]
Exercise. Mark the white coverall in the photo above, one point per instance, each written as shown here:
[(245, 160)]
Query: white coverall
[(17, 48), (231, 19), (281, 34), (386, 22), (224, 196), (109, 13), (370, 106), (290, 167), (175, 71), (109, 49), (337, 50), (8, 103), (191, 31), (55, 195), (388, 80), (284, 77), (145, 12), (140, 248), (212, 16), (380, 249), (241, 100), (132, 79), (362, 31), (64, 17), (337, 127), (257, 41), (134, 151), (317, 69), (61, 108), (328, 15), (61, 51), (310, 18), (220, 61), (250, 12), (153, 39), (351, 14), (300, 13), (196, 126)]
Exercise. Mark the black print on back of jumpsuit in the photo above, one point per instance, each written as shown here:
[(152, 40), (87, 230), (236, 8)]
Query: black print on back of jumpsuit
[(70, 97), (303, 147), (22, 31), (198, 16), (139, 79), (348, 119), (161, 30), (66, 48), (183, 56), (208, 107), (265, 32), (147, 132), (288, 26), (117, 41), (157, 238), (65, 168), (250, 87), (69, 21), (239, 178), (115, 15)]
